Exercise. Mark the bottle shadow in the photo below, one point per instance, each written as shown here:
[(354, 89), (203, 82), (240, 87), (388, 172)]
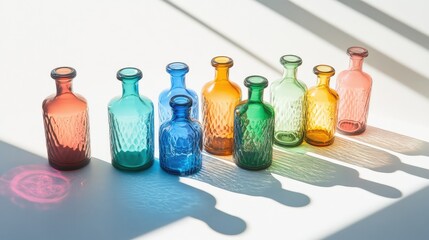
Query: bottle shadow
[(364, 156), (222, 173), (393, 141), (322, 173), (96, 202)]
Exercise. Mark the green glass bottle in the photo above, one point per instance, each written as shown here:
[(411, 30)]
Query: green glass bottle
[(254, 128), (288, 100)]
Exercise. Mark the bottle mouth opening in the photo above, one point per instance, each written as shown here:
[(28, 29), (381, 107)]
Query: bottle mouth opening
[(63, 72), (181, 100), (222, 61), (178, 67), (324, 70), (129, 73), (291, 59), (357, 51), (256, 81)]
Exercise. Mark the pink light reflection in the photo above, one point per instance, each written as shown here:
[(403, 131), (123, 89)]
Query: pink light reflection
[(38, 184)]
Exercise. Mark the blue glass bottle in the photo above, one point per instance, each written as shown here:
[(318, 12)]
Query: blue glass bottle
[(131, 124), (180, 139), (177, 71)]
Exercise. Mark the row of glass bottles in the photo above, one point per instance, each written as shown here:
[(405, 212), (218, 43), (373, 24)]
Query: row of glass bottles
[(299, 113)]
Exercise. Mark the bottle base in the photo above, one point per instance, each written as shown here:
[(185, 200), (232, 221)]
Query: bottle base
[(132, 169), (287, 139), (70, 167), (218, 152), (181, 172), (350, 127), (219, 146), (252, 168), (318, 138)]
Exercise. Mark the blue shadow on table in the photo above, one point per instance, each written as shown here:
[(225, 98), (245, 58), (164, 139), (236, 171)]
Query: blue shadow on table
[(405, 219), (368, 157), (96, 202), (222, 173), (322, 173)]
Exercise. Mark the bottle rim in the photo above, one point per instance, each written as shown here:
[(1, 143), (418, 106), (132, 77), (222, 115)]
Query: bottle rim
[(290, 59), (129, 73), (324, 69), (357, 51), (180, 100), (63, 72), (222, 61), (256, 81), (177, 66)]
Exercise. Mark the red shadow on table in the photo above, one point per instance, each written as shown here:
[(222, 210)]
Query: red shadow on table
[(393, 141), (97, 201)]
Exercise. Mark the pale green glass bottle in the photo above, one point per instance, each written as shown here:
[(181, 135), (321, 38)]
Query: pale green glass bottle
[(288, 100)]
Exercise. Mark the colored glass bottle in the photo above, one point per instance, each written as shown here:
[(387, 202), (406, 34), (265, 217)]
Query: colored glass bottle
[(321, 105), (219, 99), (354, 89), (180, 139), (177, 71), (288, 100), (131, 124), (254, 128), (66, 122)]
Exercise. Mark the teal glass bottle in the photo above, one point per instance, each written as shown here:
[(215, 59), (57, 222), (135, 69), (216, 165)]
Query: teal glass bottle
[(131, 124), (177, 71), (288, 100), (254, 128), (180, 139)]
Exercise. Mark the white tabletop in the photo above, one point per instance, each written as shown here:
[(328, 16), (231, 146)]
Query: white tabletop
[(373, 186)]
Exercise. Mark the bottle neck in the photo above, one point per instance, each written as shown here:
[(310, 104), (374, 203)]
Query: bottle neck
[(289, 73), (130, 88), (64, 86), (323, 80), (222, 74), (256, 94), (178, 81), (181, 112), (356, 63)]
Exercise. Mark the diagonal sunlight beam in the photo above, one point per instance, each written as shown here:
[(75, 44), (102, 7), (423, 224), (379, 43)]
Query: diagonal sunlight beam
[(391, 67), (228, 39), (388, 21)]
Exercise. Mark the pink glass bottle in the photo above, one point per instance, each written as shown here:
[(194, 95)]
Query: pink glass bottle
[(354, 89), (65, 116)]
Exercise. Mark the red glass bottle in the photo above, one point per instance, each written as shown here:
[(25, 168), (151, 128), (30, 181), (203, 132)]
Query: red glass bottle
[(65, 116)]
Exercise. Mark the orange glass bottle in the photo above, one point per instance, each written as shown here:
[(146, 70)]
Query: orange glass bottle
[(322, 105), (219, 98), (65, 117)]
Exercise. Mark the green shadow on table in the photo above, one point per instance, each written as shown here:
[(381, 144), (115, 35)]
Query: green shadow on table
[(222, 173), (322, 173), (361, 155), (97, 201)]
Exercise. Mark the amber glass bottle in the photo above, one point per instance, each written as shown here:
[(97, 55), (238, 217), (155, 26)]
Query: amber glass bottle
[(322, 104), (219, 98), (65, 116)]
